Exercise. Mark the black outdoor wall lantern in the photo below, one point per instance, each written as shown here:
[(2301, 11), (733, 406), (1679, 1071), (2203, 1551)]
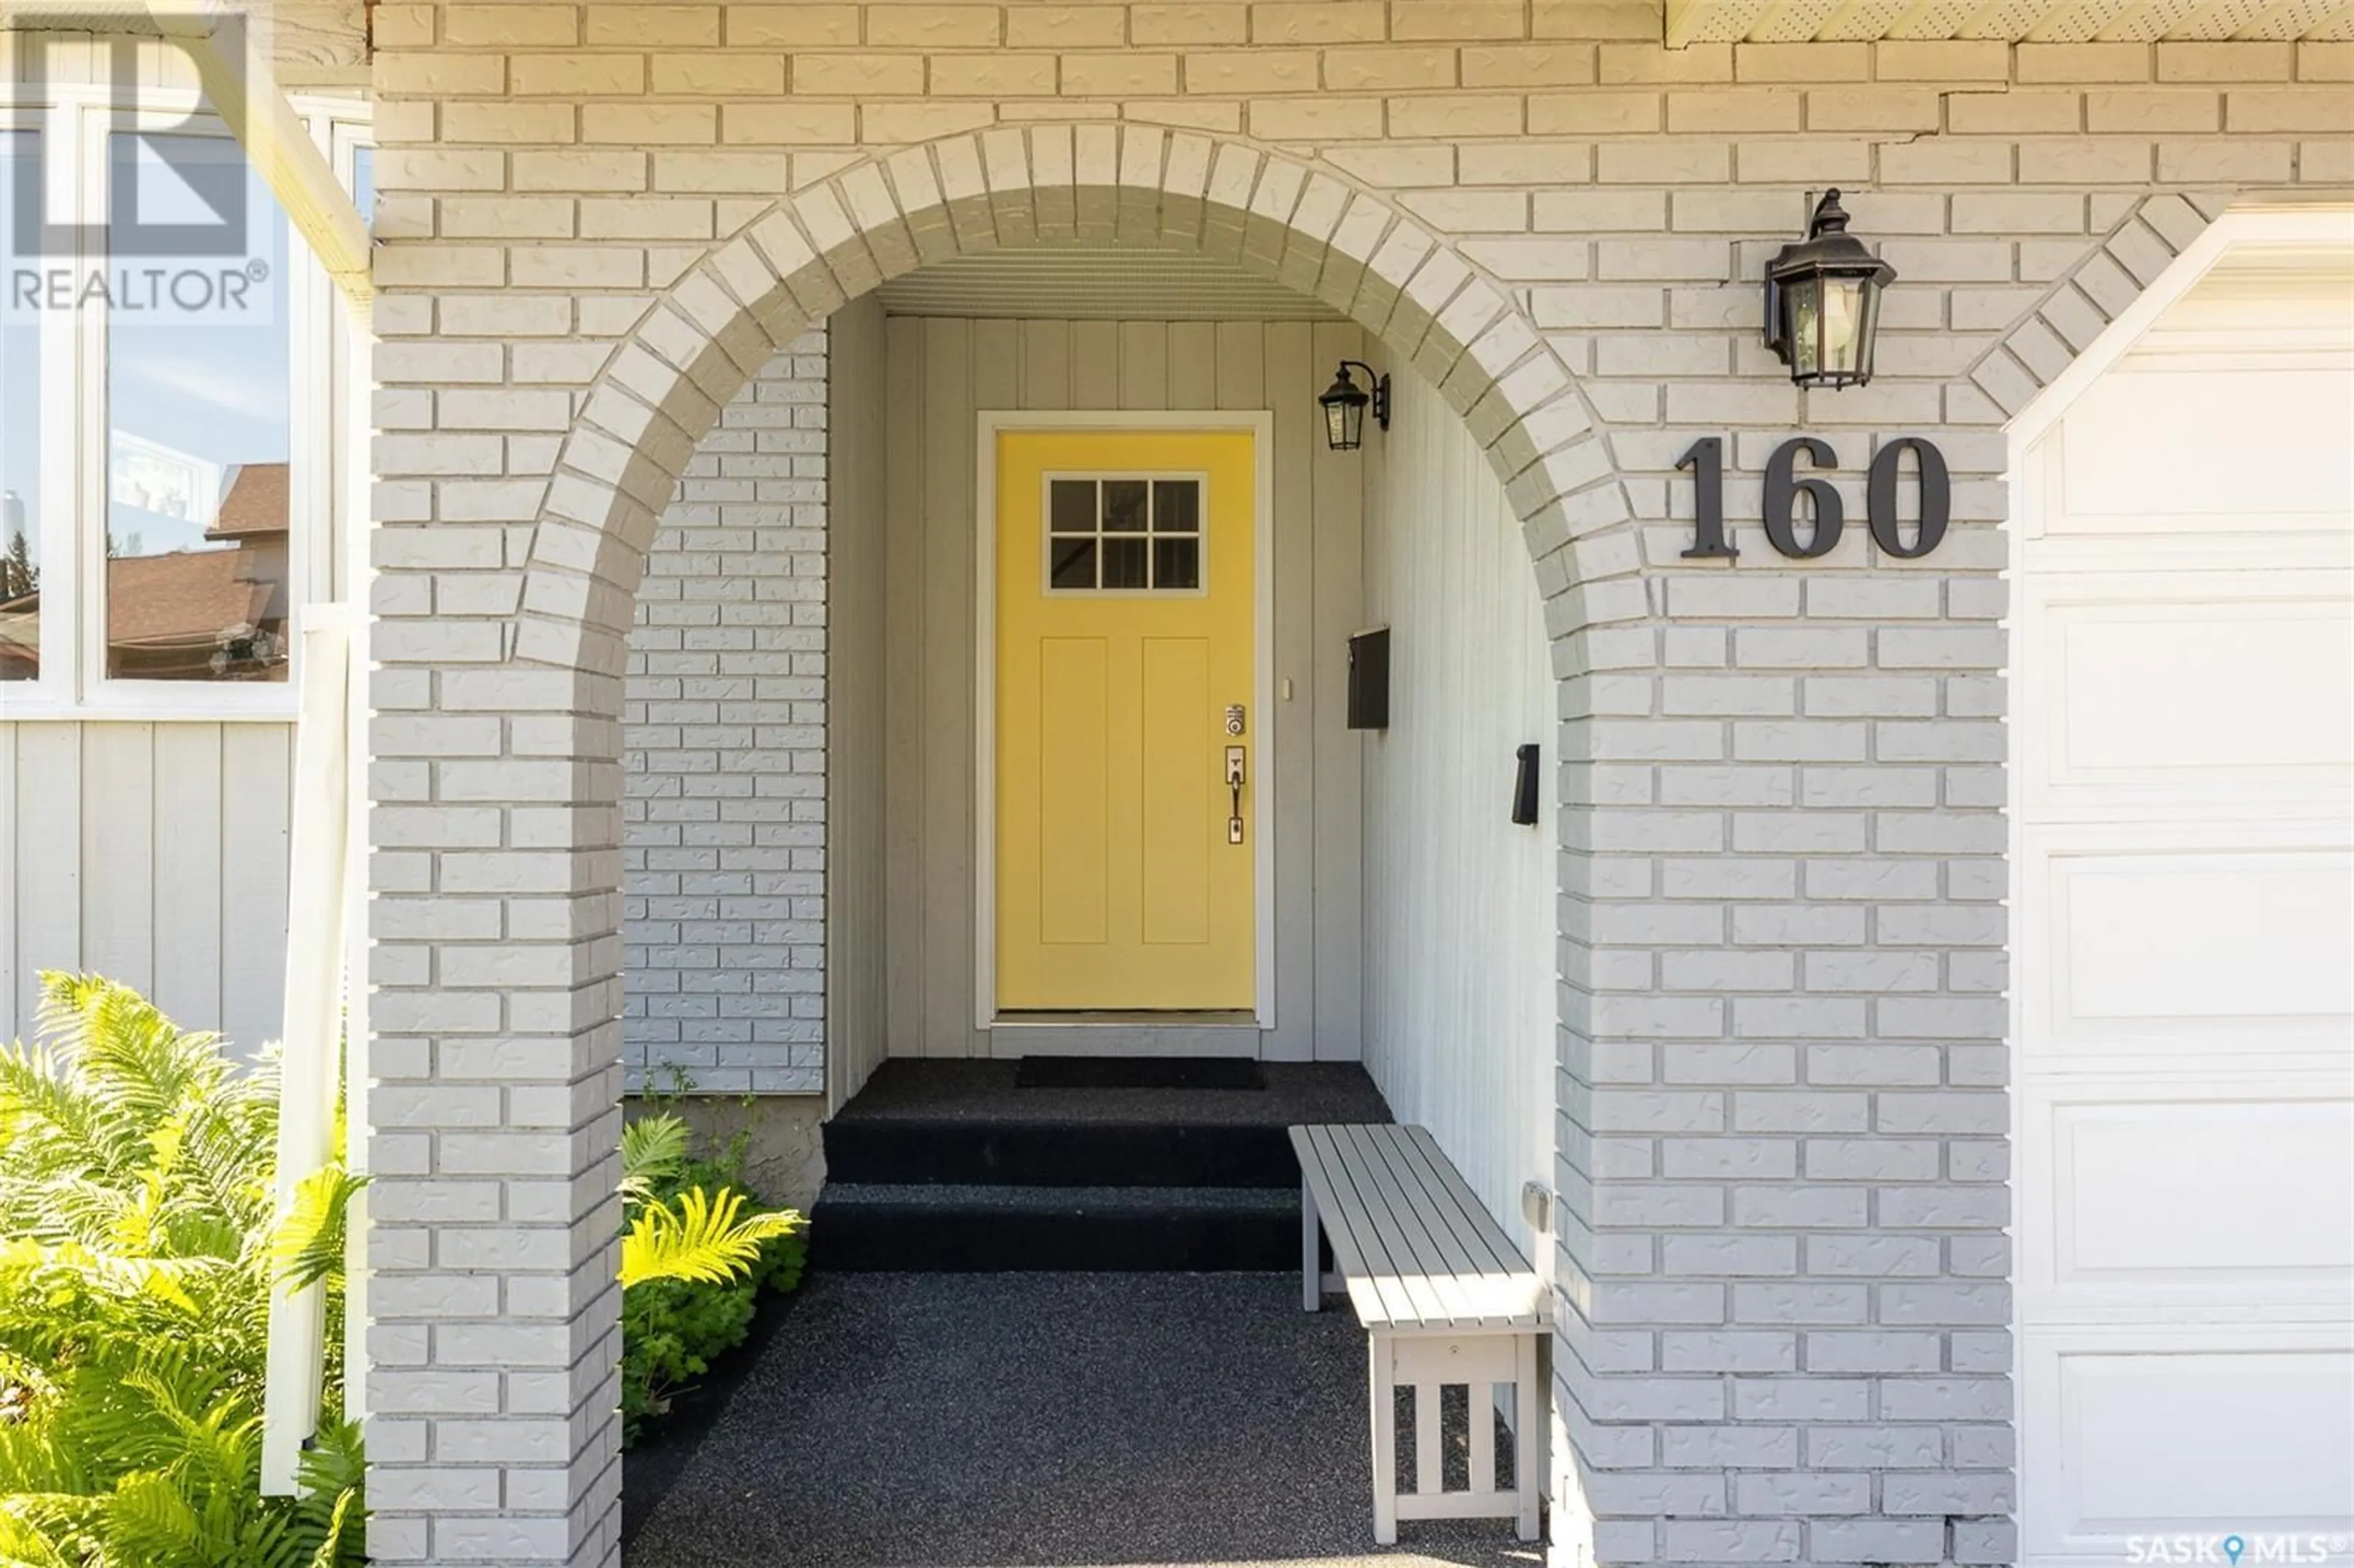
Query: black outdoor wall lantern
[(1822, 301), (1344, 406)]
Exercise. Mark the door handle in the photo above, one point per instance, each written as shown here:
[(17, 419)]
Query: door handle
[(1234, 789)]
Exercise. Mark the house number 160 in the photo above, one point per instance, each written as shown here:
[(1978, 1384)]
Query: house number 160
[(1783, 486)]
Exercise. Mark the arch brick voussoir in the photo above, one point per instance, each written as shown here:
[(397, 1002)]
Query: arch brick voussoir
[(664, 384), (2101, 287)]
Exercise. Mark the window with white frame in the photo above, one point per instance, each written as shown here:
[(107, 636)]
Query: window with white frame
[(176, 408)]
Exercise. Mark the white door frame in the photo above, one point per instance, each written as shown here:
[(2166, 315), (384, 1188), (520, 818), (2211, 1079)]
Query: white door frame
[(1259, 423), (2330, 224)]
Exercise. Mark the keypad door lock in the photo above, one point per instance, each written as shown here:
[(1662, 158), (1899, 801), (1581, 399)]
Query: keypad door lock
[(1235, 788)]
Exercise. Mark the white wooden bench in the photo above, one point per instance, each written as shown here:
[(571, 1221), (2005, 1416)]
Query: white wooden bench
[(1446, 1299)]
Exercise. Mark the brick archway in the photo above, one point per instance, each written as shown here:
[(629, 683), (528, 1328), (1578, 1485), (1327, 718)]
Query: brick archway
[(497, 858), (1130, 184), (495, 1314)]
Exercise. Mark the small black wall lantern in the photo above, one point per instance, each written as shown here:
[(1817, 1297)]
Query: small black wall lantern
[(1822, 301), (1344, 406)]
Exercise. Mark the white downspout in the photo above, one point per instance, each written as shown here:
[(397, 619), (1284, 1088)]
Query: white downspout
[(317, 899)]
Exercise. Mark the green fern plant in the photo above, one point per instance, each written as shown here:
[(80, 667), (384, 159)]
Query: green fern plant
[(693, 1262), (706, 1238), (138, 1246), (654, 1150)]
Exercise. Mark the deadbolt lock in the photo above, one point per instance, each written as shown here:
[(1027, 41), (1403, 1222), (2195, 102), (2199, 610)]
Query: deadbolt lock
[(1234, 719)]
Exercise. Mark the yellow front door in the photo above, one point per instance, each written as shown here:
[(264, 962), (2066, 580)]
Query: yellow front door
[(1124, 637)]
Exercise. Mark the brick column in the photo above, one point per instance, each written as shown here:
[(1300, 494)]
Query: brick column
[(496, 1336), (495, 865), (1786, 1151)]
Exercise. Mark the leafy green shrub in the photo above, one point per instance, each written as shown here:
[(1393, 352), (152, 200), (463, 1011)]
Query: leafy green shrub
[(137, 1251), (691, 1270), (137, 1248)]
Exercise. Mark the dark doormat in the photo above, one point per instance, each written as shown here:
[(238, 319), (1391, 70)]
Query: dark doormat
[(1139, 1073)]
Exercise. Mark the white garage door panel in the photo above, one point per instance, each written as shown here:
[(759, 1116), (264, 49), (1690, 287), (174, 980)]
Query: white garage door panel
[(2242, 446), (2220, 949), (2159, 1436), (2234, 1195), (2183, 935), (2191, 687), (2181, 688)]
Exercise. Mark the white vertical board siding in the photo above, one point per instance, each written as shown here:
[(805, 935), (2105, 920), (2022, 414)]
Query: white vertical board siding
[(1458, 906), (256, 819), (45, 847), (940, 373), (904, 949), (857, 416), (154, 853), (188, 838)]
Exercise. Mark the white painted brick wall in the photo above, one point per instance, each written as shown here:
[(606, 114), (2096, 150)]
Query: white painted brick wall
[(1784, 1161), (723, 740)]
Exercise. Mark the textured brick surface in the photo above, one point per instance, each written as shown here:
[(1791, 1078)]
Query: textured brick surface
[(1782, 1130), (724, 743)]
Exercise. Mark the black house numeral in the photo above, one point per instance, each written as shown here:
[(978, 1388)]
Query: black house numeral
[(1783, 488), (1706, 459), (1784, 485), (1936, 497)]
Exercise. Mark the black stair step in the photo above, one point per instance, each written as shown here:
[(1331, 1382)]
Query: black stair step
[(1090, 1153), (978, 1228)]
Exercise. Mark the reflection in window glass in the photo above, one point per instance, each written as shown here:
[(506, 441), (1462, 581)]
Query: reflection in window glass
[(1176, 562), (1073, 510), (20, 431), (1176, 506), (198, 579), (1073, 563), (1123, 564), (1123, 505)]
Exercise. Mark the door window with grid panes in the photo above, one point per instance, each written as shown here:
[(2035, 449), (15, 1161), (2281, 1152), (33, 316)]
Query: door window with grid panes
[(1124, 534)]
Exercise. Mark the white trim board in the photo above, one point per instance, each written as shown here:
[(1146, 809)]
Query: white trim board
[(1177, 1038)]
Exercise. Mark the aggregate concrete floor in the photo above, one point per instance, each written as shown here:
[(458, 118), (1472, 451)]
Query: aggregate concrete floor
[(1023, 1420)]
